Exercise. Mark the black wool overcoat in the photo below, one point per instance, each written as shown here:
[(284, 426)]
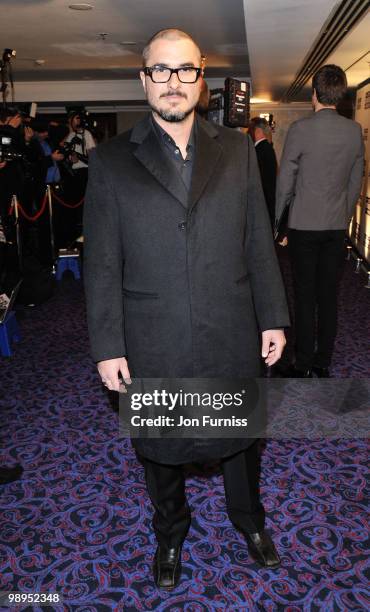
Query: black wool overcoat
[(180, 283)]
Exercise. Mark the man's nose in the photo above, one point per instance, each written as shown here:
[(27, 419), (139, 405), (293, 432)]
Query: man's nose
[(174, 80)]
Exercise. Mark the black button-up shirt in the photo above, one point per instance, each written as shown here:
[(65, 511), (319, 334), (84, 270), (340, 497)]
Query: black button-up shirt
[(183, 166)]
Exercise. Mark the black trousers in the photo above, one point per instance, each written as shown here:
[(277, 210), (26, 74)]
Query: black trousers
[(316, 258), (166, 488)]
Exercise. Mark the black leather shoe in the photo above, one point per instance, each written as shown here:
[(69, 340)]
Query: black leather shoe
[(167, 567), (10, 474), (293, 372), (262, 549), (321, 372)]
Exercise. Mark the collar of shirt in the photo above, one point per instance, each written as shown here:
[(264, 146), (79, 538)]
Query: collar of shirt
[(258, 141), (169, 142)]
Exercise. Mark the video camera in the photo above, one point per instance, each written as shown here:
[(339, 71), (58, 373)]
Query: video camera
[(8, 149), (10, 137)]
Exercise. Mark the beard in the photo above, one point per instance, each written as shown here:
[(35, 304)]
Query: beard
[(171, 115)]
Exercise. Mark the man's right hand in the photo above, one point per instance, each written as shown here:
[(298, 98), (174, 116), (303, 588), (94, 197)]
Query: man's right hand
[(110, 370), (57, 156)]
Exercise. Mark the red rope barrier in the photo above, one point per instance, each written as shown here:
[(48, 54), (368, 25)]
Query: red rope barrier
[(43, 206), (26, 215), (60, 201)]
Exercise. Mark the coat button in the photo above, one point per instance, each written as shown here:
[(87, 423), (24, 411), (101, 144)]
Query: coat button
[(182, 226)]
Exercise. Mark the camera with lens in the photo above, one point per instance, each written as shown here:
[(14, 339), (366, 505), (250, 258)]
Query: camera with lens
[(76, 140), (84, 121), (69, 149), (8, 149)]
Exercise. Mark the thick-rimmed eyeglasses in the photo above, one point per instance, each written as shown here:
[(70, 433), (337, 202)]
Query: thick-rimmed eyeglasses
[(162, 74)]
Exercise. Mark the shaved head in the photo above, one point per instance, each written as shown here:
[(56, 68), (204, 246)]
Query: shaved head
[(168, 34)]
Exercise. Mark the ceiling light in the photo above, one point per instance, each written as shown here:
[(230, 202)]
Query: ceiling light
[(81, 6), (254, 100), (39, 62)]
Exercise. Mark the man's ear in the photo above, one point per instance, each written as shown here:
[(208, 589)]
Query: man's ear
[(142, 77), (314, 96)]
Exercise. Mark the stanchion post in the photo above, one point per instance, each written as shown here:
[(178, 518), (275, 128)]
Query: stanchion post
[(17, 230), (349, 251), (358, 265), (367, 286), (52, 241)]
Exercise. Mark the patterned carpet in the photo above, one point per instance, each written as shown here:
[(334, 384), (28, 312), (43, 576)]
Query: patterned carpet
[(78, 523)]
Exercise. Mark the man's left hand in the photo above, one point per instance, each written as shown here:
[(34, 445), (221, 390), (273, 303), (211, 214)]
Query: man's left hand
[(28, 134), (273, 343), (57, 155)]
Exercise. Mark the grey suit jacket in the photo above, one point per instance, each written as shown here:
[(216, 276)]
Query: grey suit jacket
[(320, 172)]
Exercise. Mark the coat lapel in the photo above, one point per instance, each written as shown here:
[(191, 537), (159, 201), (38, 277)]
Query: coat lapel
[(150, 154), (207, 153)]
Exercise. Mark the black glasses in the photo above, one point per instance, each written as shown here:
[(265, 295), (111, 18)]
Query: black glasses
[(162, 74)]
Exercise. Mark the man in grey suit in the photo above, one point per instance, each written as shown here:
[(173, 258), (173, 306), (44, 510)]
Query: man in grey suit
[(182, 281), (320, 180)]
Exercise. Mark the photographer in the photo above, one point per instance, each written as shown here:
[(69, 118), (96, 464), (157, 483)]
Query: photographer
[(65, 231), (10, 272), (81, 139), (7, 474), (49, 153), (78, 142), (12, 150), (30, 164), (26, 163), (46, 173)]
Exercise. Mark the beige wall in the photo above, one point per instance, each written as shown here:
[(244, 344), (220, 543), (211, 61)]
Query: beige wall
[(127, 119), (360, 226), (284, 116)]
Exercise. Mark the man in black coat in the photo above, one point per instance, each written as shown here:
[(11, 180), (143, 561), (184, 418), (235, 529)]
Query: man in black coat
[(182, 281), (260, 132)]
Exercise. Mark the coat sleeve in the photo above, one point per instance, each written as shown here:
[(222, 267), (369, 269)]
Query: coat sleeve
[(103, 265), (288, 172), (355, 178), (265, 277)]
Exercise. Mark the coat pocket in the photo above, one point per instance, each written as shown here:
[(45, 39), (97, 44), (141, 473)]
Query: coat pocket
[(139, 295)]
